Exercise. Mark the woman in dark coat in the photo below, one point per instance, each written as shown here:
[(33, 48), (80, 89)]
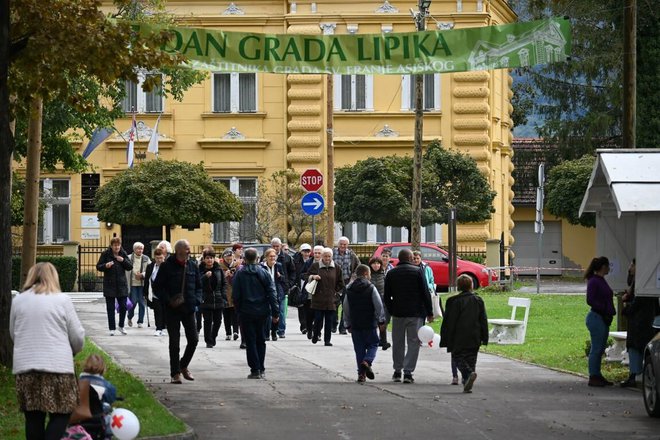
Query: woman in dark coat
[(326, 296), (114, 264), (214, 296), (378, 280)]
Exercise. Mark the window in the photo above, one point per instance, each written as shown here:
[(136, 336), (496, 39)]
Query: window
[(245, 230), (396, 236), (353, 92), (347, 231), (381, 234), (234, 92), (431, 92), (361, 233), (56, 196), (137, 100)]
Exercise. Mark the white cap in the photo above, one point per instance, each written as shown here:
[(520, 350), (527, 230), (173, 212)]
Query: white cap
[(305, 247)]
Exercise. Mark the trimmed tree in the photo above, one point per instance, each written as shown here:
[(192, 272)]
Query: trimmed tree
[(565, 188), (160, 192)]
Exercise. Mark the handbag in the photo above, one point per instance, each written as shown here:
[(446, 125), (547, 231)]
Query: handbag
[(177, 300), (310, 287), (435, 303)]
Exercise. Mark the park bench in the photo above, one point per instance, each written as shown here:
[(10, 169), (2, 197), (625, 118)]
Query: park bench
[(511, 331), (617, 351)]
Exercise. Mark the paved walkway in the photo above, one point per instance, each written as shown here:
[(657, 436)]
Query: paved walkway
[(311, 393)]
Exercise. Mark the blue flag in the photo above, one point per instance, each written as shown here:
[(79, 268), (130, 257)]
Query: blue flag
[(98, 136)]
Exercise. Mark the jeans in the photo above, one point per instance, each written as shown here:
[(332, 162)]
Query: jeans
[(404, 332), (110, 310), (281, 326), (231, 320), (365, 344), (176, 318), (252, 331), (636, 361), (54, 430), (323, 315), (138, 302), (212, 322), (599, 333)]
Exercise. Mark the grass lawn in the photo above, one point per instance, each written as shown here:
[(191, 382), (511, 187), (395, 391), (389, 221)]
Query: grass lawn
[(556, 333), (155, 420)]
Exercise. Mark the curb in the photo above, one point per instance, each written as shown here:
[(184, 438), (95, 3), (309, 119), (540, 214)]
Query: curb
[(190, 434)]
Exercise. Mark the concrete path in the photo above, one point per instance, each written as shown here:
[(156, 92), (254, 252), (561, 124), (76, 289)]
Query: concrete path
[(311, 393)]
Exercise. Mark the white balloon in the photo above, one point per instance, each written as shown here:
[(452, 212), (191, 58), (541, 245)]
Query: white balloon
[(124, 424), (436, 341), (425, 334)]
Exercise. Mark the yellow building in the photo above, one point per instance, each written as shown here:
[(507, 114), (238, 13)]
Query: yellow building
[(247, 126)]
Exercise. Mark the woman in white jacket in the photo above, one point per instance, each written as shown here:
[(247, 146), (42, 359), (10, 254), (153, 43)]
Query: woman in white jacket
[(47, 334)]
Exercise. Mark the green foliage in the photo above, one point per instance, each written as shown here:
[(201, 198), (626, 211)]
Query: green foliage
[(160, 192), (90, 281), (17, 199), (565, 188), (379, 190), (67, 269)]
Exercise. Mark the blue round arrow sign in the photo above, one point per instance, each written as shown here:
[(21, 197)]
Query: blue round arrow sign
[(312, 203)]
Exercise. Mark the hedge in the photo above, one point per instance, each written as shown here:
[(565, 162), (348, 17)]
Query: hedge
[(67, 268)]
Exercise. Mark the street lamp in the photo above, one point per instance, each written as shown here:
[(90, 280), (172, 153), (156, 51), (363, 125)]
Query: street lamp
[(416, 221)]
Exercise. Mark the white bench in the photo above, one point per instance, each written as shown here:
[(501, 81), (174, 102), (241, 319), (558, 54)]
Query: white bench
[(511, 331), (617, 351)]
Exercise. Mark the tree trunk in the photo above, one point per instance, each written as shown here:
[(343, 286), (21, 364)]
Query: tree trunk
[(31, 212), (6, 151)]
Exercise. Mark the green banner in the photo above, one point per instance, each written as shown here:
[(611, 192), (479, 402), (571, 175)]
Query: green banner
[(482, 48)]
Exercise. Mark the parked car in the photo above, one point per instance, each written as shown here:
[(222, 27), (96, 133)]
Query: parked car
[(651, 373), (438, 259)]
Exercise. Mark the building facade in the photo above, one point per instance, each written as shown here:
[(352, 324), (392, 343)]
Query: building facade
[(246, 126)]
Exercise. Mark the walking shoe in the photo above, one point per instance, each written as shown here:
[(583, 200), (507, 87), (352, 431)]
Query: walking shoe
[(328, 344), (361, 377), (367, 370), (273, 336), (228, 338), (309, 335), (235, 336), (209, 345), (176, 379), (186, 374), (386, 345), (281, 335), (262, 374), (254, 376), (407, 378), (315, 339), (140, 325), (467, 388), (343, 332), (396, 377), (303, 331), (112, 332), (597, 381), (454, 380), (122, 331), (243, 345), (158, 333), (130, 322)]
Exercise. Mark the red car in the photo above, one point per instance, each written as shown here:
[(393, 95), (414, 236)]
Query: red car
[(438, 259)]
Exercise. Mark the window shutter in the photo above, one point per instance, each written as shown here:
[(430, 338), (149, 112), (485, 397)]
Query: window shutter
[(360, 92), (154, 99), (129, 103), (429, 91), (346, 97), (221, 92), (247, 92)]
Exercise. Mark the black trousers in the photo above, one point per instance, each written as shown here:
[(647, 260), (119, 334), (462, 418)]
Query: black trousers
[(110, 310), (466, 361), (36, 429), (253, 335), (212, 322), (176, 318), (319, 317), (159, 313), (231, 320)]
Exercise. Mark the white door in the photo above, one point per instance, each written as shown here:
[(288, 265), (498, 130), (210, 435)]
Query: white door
[(527, 244)]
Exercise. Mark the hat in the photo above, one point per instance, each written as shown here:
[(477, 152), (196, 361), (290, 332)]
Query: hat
[(305, 247), (227, 252)]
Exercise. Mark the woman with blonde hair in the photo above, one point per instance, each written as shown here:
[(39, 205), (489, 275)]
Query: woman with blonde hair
[(47, 334)]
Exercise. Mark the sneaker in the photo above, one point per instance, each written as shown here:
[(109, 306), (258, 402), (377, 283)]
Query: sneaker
[(254, 376), (343, 332), (396, 377), (158, 333), (112, 332), (235, 336), (315, 339), (262, 374), (281, 336), (386, 345), (303, 331), (273, 336), (407, 378), (130, 322), (228, 338), (186, 374), (209, 345), (243, 346), (367, 370), (122, 331), (597, 381), (176, 379), (140, 325), (361, 378), (328, 344), (454, 380), (467, 388)]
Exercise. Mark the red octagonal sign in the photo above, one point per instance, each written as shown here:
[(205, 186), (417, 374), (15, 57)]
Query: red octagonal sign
[(311, 179)]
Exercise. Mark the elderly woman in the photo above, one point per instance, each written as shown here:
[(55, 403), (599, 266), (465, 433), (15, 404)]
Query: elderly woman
[(330, 283), (276, 272), (114, 264), (47, 334), (139, 261)]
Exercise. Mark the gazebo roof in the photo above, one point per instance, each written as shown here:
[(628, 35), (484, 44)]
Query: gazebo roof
[(624, 180)]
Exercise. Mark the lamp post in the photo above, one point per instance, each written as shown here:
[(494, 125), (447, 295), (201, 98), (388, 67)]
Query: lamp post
[(416, 221)]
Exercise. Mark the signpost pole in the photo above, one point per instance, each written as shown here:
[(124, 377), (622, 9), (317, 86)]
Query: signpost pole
[(313, 230)]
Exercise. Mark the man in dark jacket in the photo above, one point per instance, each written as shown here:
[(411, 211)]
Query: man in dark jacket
[(179, 274), (289, 268), (255, 299), (408, 301), (464, 330)]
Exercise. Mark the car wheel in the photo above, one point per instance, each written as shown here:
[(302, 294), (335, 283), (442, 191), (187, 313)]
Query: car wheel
[(650, 390)]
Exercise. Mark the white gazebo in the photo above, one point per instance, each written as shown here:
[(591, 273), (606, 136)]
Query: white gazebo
[(624, 192)]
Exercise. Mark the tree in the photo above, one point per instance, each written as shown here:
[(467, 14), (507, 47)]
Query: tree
[(379, 190), (279, 211), (565, 188), (160, 192)]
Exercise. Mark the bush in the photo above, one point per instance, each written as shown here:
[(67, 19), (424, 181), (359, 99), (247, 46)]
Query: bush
[(89, 281), (67, 269), (480, 259)]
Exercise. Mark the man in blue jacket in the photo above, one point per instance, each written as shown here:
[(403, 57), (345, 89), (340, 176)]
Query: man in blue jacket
[(255, 299), (179, 274)]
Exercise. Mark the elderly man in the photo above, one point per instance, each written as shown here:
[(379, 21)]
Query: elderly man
[(347, 261), (408, 302), (289, 268), (181, 287)]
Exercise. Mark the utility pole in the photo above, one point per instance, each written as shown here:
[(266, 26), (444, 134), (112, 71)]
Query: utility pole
[(330, 159), (630, 74), (416, 221)]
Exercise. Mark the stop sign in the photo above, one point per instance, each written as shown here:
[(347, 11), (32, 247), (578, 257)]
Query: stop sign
[(311, 179)]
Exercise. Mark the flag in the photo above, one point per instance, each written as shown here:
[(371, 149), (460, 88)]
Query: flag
[(98, 136), (153, 142), (131, 143)]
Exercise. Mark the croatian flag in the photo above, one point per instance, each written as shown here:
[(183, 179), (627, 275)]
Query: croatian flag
[(153, 142), (131, 143)]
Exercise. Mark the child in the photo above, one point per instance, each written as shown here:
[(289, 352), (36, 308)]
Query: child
[(363, 314), (93, 371), (464, 329)]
